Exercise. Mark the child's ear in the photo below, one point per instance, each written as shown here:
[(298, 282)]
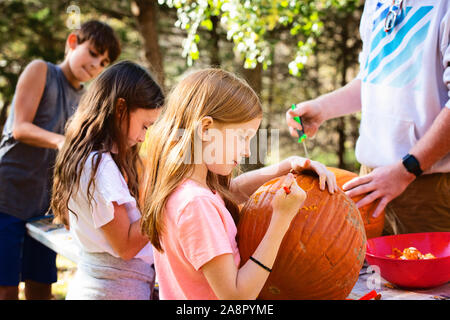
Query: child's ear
[(121, 107), (72, 41), (202, 129)]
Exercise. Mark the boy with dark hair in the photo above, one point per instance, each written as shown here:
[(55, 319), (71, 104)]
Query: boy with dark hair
[(46, 96)]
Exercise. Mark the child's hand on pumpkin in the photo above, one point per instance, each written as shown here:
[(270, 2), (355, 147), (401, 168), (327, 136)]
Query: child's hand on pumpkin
[(289, 198), (325, 176)]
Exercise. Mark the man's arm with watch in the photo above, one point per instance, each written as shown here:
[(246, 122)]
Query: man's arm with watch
[(388, 182), (435, 144)]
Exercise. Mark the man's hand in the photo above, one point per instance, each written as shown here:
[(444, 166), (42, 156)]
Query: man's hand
[(312, 118), (384, 183)]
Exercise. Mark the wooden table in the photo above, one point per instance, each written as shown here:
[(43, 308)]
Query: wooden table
[(57, 238)]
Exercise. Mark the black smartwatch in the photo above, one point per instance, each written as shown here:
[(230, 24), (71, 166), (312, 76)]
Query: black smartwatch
[(412, 164)]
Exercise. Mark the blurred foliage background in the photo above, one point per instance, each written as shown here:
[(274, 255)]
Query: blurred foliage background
[(288, 51)]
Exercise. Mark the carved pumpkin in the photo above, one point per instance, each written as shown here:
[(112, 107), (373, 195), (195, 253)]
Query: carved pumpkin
[(322, 252), (373, 226)]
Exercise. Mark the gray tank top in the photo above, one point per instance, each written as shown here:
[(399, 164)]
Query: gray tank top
[(26, 172)]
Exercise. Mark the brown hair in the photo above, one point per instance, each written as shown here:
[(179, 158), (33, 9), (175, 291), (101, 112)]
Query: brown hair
[(102, 37), (208, 92), (94, 128)]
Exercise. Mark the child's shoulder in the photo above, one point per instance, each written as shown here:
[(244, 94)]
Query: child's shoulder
[(36, 70), (108, 177), (106, 156), (40, 72), (106, 161), (191, 189), (189, 192), (43, 68), (38, 63), (105, 168)]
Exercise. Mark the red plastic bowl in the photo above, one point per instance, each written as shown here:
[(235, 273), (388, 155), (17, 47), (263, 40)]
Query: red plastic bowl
[(412, 273)]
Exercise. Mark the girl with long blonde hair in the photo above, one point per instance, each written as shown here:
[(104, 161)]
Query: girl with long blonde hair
[(96, 184), (190, 200)]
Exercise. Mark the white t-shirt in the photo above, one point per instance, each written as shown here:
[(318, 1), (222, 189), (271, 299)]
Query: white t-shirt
[(109, 186), (405, 79)]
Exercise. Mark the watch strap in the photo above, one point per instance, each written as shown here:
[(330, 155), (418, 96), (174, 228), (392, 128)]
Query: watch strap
[(412, 164)]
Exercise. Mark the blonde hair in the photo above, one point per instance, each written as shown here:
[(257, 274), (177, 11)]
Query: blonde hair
[(209, 92)]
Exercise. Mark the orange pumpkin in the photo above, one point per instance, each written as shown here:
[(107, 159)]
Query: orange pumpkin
[(322, 252), (373, 226)]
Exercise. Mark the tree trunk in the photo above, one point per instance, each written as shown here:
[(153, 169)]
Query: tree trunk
[(341, 120), (3, 115), (256, 160), (147, 17), (215, 38), (254, 77), (271, 89)]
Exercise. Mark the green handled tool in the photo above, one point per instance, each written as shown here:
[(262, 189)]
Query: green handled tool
[(301, 134)]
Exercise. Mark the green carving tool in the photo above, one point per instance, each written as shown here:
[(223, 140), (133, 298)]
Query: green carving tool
[(301, 134)]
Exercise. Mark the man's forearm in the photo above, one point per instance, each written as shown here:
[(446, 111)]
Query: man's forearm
[(435, 144), (343, 101)]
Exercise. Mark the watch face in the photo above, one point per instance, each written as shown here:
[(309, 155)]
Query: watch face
[(412, 164)]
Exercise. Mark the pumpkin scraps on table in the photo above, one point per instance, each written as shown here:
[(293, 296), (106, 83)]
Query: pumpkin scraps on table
[(410, 253)]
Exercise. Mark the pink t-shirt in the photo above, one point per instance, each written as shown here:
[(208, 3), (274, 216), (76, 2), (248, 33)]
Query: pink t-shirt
[(198, 227)]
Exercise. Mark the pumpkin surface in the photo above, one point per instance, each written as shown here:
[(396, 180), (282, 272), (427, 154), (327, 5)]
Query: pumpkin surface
[(322, 252), (373, 226)]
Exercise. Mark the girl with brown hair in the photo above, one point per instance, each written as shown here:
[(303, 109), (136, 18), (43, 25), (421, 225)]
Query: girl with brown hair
[(190, 198), (96, 184)]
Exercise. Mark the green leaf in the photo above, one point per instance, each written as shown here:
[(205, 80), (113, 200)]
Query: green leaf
[(194, 55), (42, 14), (207, 24)]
